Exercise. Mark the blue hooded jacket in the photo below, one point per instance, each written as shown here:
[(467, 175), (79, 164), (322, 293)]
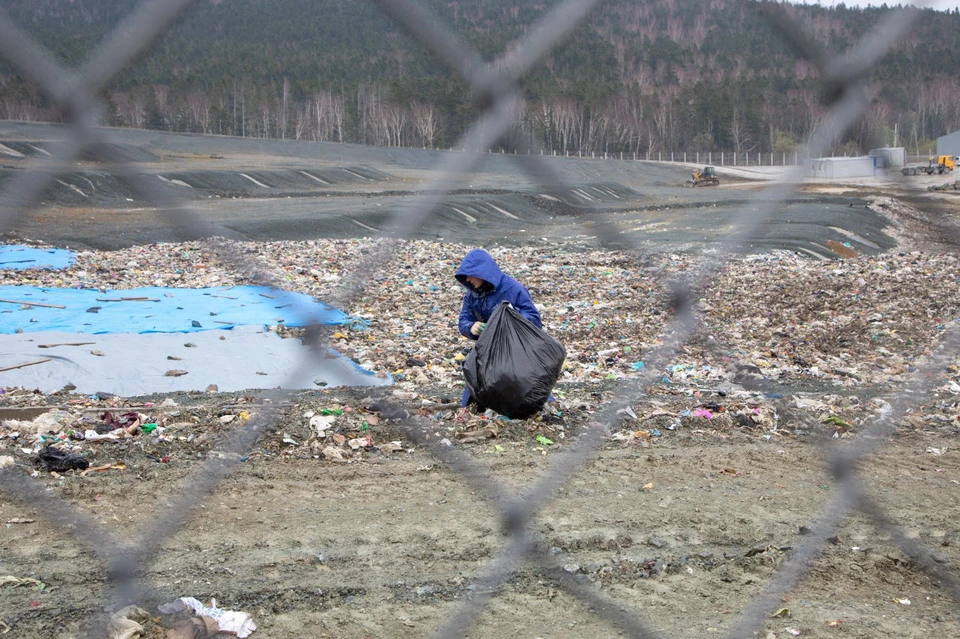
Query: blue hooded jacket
[(478, 305)]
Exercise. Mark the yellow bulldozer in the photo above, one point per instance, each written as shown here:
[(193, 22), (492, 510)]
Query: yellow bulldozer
[(707, 176)]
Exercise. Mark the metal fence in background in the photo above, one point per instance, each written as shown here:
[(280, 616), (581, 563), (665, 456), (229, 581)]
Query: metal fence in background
[(495, 85), (721, 158)]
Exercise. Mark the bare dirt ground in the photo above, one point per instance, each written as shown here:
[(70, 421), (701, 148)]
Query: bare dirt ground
[(684, 531), (683, 519)]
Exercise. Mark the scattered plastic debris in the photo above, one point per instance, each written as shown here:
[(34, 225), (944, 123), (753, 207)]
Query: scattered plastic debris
[(55, 460), (126, 623), (228, 621)]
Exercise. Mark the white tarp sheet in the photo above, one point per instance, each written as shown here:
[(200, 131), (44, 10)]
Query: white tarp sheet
[(126, 364)]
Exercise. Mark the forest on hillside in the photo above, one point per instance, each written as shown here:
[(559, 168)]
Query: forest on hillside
[(638, 76)]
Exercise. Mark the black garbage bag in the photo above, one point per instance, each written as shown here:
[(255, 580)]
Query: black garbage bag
[(514, 365), (58, 461)]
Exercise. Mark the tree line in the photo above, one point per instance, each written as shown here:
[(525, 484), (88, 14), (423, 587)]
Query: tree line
[(640, 76)]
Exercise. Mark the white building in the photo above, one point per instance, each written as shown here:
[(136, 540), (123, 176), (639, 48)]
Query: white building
[(890, 157), (862, 166), (949, 144)]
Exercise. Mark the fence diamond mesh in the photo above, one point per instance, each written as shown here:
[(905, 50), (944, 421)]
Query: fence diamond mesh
[(495, 85)]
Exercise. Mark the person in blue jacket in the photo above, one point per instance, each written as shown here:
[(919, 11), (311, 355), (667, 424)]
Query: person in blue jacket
[(486, 287)]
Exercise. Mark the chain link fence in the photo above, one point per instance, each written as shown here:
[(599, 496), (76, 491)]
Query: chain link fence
[(495, 86)]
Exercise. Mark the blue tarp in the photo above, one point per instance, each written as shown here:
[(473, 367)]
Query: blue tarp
[(160, 310), (19, 257)]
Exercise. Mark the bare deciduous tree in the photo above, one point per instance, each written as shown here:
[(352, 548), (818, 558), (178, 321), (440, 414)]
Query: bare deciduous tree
[(596, 134), (396, 120), (198, 108), (663, 122), (373, 119), (425, 121), (743, 141), (301, 121), (338, 114), (546, 120), (132, 108), (566, 118), (627, 120), (161, 96), (324, 117), (284, 108), (18, 109)]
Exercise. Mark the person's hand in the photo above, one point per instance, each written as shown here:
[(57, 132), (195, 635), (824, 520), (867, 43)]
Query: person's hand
[(477, 328)]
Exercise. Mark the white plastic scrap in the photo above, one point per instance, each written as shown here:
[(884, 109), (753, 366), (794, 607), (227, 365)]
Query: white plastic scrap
[(10, 580), (123, 624), (321, 423), (91, 435), (230, 621), (51, 421), (333, 453)]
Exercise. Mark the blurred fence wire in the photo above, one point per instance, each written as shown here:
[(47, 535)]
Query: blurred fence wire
[(495, 86)]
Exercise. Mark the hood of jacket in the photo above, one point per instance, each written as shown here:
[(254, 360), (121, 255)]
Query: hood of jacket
[(479, 263)]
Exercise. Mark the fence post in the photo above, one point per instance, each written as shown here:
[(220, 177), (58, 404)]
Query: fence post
[(721, 159), (734, 159)]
